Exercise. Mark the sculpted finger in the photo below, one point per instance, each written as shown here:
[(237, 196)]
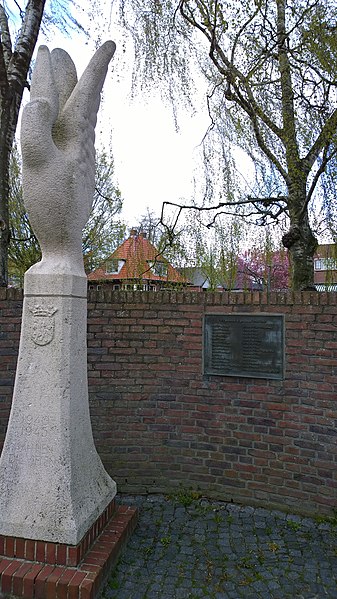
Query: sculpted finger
[(65, 75), (43, 85), (85, 99)]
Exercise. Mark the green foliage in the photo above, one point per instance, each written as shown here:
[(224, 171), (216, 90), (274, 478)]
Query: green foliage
[(322, 519), (165, 541), (185, 497), (293, 525), (319, 37), (24, 249), (210, 256)]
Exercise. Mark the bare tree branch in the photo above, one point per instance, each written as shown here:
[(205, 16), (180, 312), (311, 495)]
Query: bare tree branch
[(22, 14), (325, 136), (322, 168)]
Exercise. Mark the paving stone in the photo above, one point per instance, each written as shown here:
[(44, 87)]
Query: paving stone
[(250, 552)]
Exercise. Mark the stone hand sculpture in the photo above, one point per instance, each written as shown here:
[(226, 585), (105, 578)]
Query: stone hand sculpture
[(53, 485), (57, 141)]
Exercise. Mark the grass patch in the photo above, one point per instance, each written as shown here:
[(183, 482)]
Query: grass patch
[(320, 519), (295, 526), (165, 541), (185, 497)]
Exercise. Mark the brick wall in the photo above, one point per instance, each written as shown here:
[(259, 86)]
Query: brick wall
[(159, 424), (10, 325)]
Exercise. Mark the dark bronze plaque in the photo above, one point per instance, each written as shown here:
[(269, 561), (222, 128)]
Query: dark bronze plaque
[(244, 345)]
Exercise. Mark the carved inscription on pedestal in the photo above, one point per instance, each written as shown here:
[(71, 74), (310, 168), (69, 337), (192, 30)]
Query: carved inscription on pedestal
[(244, 345), (37, 439)]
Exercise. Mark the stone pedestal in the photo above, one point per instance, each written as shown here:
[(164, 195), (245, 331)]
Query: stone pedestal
[(53, 485), (60, 530)]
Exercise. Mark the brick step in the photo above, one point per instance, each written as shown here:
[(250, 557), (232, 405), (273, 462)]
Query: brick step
[(56, 553), (23, 578)]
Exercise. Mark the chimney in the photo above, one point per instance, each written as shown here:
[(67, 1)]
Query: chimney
[(133, 232)]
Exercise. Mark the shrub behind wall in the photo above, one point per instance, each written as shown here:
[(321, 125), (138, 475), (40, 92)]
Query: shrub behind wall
[(160, 424)]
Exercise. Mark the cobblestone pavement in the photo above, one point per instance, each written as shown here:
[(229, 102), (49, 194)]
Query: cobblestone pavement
[(186, 548)]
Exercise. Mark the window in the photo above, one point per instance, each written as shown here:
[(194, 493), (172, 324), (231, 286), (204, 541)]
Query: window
[(159, 268), (326, 264), (116, 287), (113, 266), (134, 287)]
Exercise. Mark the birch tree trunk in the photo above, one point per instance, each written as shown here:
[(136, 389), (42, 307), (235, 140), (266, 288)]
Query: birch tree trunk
[(14, 66), (299, 240)]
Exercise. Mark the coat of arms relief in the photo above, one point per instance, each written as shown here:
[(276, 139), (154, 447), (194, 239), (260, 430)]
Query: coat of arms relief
[(43, 324)]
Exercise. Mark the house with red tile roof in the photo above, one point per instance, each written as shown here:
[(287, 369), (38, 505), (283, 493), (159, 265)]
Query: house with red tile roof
[(136, 264)]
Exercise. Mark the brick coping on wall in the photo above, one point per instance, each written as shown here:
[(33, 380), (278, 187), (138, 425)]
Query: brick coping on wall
[(203, 297), (216, 298)]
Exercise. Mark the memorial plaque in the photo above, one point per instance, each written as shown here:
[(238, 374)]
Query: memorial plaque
[(249, 345)]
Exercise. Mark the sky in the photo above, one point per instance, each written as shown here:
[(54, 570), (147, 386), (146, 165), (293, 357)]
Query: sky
[(153, 161)]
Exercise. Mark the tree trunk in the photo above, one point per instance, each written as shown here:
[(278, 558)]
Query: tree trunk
[(300, 240), (9, 112), (14, 67), (302, 245), (4, 183)]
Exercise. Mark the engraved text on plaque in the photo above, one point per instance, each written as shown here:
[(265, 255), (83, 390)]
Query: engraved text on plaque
[(244, 345)]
